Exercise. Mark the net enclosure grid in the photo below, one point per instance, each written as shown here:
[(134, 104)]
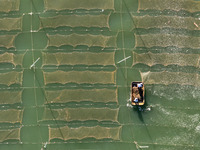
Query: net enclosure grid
[(66, 68)]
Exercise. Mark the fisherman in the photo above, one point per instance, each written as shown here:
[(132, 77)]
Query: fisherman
[(140, 85), (136, 100)]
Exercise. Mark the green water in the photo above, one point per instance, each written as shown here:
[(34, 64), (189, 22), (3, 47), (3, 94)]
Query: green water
[(170, 119)]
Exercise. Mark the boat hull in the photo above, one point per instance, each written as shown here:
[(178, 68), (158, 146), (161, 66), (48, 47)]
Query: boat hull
[(137, 92)]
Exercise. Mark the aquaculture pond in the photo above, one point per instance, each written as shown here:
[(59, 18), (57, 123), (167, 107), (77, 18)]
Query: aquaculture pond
[(66, 68)]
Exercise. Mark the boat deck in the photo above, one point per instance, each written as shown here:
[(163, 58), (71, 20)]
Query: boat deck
[(137, 93)]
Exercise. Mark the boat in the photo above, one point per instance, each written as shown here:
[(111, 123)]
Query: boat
[(137, 94)]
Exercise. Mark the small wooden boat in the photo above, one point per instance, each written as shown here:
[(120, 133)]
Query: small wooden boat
[(137, 96)]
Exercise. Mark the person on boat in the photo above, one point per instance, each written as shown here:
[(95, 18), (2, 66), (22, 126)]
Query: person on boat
[(136, 100), (140, 85)]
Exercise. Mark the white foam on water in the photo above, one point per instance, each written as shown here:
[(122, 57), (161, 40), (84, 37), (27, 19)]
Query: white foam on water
[(183, 120), (197, 129), (194, 118), (179, 138), (129, 105), (165, 111), (179, 92), (148, 109)]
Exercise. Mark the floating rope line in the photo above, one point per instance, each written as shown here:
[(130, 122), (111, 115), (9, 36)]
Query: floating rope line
[(49, 106), (43, 90)]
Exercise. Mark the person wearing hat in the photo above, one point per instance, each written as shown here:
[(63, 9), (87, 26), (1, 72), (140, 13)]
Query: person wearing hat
[(136, 100), (140, 85)]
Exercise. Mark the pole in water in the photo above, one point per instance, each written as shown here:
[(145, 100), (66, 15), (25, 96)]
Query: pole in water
[(123, 59), (196, 24), (140, 147), (34, 63)]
